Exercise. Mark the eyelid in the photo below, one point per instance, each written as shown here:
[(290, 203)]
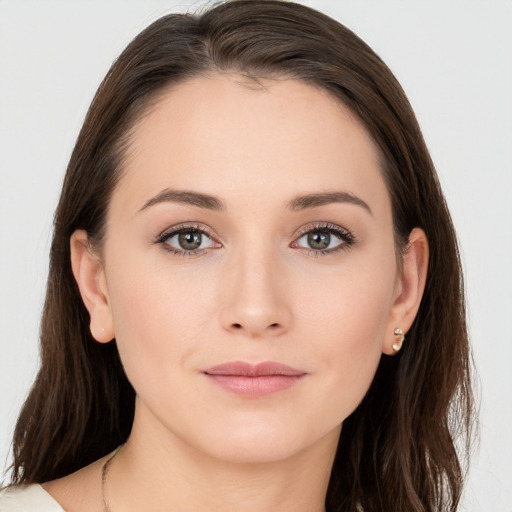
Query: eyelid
[(326, 226), (184, 226)]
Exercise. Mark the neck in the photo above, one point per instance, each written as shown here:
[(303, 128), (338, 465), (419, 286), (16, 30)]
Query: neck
[(155, 473)]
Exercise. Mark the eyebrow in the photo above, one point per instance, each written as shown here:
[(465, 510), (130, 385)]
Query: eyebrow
[(186, 197), (213, 203), (321, 199)]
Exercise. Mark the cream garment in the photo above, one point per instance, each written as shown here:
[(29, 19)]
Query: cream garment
[(27, 498)]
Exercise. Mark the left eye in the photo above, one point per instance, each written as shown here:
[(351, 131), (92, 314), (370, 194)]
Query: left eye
[(323, 240), (189, 240)]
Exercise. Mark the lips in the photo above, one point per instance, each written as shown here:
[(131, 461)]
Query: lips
[(254, 380)]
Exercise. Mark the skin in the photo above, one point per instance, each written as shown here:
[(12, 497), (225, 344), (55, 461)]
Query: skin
[(257, 291)]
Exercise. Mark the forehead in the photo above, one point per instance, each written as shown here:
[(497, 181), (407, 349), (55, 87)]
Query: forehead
[(225, 135)]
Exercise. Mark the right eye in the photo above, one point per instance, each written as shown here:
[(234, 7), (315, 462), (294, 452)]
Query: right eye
[(187, 240)]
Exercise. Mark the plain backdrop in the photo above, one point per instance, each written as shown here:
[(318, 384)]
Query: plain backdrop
[(454, 60)]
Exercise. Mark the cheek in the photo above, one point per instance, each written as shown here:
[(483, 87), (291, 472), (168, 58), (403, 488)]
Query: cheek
[(157, 317), (347, 324), (351, 304)]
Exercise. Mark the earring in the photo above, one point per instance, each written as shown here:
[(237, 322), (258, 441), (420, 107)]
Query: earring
[(398, 344)]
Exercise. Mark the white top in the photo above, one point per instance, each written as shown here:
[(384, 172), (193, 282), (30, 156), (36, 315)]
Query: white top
[(27, 498)]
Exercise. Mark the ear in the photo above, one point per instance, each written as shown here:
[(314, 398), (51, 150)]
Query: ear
[(409, 289), (90, 276)]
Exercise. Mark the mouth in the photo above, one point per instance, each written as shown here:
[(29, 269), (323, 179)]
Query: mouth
[(257, 380)]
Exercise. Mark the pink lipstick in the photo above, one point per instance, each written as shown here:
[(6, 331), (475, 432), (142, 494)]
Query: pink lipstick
[(254, 380)]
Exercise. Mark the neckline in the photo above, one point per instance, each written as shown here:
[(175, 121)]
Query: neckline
[(32, 495)]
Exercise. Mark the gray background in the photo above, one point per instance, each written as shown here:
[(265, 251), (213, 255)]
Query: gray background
[(454, 60)]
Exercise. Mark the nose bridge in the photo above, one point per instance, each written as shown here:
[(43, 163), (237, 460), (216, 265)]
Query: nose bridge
[(256, 303)]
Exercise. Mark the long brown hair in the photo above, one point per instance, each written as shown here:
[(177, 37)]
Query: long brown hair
[(397, 450)]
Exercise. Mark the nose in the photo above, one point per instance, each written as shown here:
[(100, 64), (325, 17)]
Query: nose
[(255, 302)]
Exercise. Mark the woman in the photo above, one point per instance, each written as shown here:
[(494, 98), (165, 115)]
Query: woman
[(249, 228)]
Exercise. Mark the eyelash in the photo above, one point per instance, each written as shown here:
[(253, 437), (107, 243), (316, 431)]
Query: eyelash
[(346, 237)]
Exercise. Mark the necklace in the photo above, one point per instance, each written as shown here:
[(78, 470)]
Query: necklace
[(104, 474)]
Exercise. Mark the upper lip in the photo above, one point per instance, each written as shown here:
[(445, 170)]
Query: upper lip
[(244, 369)]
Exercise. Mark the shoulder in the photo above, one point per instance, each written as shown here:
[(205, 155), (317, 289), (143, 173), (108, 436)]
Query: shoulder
[(27, 498)]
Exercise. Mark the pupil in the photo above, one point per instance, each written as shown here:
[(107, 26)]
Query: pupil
[(190, 240), (319, 240)]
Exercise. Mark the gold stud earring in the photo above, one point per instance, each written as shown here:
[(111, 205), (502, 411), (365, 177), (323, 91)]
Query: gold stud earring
[(401, 338)]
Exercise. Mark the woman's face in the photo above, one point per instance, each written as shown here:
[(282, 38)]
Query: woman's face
[(251, 225)]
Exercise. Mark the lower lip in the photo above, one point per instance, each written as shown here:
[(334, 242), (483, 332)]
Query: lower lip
[(255, 386)]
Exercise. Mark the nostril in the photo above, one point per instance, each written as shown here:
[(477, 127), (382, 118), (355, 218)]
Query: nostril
[(274, 325), (237, 326)]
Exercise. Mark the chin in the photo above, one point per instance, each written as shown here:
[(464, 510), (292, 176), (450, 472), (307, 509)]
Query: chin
[(253, 445)]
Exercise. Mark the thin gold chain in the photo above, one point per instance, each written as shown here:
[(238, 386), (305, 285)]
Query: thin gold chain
[(104, 474)]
